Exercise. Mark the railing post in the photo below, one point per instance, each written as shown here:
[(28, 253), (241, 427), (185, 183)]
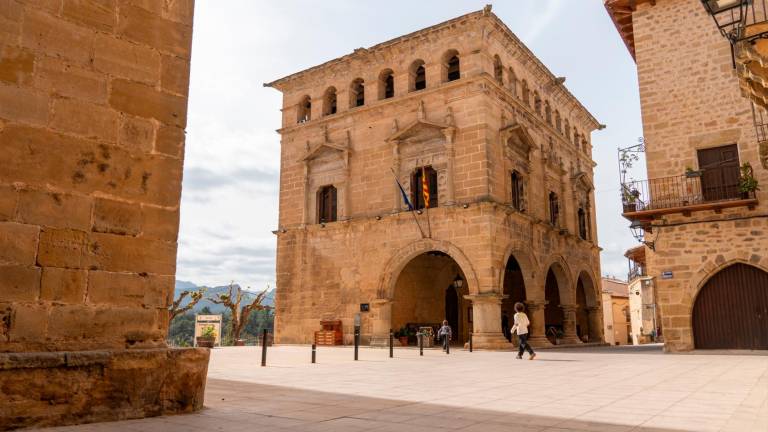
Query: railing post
[(470, 341), (391, 344), (264, 348), (314, 353)]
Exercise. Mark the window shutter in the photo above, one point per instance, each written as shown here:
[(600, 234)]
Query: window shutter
[(332, 204)]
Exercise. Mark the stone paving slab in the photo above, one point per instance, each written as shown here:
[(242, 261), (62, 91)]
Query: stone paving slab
[(591, 389)]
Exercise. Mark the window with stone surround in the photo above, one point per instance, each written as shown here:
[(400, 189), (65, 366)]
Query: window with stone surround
[(526, 93), (537, 102), (451, 66), (418, 76), (304, 112), (548, 113), (329, 101), (518, 191), (512, 82), (386, 84), (326, 204), (417, 194), (357, 93), (554, 209), (498, 69), (582, 215)]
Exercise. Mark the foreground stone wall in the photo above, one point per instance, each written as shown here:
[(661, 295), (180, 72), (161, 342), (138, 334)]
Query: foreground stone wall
[(691, 100), (93, 103)]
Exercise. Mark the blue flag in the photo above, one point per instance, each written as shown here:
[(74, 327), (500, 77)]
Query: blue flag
[(405, 195)]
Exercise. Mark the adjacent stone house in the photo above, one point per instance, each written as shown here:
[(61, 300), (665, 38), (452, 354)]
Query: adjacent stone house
[(504, 149), (706, 230)]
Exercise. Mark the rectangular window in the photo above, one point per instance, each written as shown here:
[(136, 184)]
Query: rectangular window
[(326, 204), (554, 209), (517, 191), (417, 190)]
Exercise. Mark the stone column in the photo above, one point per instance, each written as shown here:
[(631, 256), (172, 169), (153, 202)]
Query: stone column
[(595, 324), (569, 324), (486, 322), (537, 331), (450, 194), (396, 202), (381, 322)]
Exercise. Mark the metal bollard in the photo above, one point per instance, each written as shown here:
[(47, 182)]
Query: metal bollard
[(357, 340), (470, 341), (421, 344), (447, 345), (264, 348), (314, 353), (391, 344)]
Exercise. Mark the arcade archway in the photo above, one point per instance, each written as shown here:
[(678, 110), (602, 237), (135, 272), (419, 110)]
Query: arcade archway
[(514, 290), (429, 289)]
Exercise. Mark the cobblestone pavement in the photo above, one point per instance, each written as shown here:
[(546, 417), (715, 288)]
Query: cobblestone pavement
[(594, 389)]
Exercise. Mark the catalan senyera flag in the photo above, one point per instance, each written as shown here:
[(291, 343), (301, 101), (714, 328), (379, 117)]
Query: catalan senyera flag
[(425, 186)]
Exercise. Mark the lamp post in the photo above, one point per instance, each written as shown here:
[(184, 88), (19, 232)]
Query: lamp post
[(638, 232)]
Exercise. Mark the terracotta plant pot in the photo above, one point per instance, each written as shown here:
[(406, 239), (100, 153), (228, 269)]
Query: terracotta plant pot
[(205, 342), (403, 340)]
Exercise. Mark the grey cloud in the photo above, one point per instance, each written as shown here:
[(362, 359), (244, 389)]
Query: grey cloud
[(204, 179)]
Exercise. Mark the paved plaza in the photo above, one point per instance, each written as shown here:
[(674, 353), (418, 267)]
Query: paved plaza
[(590, 389)]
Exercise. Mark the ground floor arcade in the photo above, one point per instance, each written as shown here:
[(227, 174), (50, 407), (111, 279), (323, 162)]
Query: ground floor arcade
[(476, 263)]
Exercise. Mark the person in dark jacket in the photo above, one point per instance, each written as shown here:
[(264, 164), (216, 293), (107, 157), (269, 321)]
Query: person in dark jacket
[(445, 334)]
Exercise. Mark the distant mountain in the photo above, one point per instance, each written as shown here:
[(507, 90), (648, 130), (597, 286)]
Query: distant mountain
[(181, 286)]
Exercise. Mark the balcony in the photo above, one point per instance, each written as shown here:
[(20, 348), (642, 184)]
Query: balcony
[(711, 189)]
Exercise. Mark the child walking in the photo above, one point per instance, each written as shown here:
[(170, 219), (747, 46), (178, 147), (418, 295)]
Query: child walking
[(445, 334), (521, 326)]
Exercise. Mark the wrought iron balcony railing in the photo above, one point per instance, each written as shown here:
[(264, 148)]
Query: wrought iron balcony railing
[(693, 189), (636, 271)]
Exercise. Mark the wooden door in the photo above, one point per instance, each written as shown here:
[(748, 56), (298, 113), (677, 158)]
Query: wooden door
[(731, 310), (720, 172)]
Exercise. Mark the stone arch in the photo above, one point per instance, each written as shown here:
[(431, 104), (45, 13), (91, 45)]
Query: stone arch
[(712, 267), (591, 288), (563, 274), (404, 255), (528, 265)]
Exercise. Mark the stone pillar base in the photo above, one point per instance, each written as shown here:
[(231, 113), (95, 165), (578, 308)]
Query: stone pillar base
[(490, 341), (539, 342), (570, 340), (58, 388)]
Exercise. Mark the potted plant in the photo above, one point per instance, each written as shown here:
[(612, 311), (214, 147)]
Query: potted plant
[(207, 338), (747, 181), (690, 172), (629, 199), (402, 336)]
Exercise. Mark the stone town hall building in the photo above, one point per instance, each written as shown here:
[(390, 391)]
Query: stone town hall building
[(506, 149)]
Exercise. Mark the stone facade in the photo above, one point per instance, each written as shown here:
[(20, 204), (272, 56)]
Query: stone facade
[(501, 115), (690, 97), (93, 102)]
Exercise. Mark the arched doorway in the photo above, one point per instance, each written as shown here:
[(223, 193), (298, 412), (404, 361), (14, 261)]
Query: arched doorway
[(514, 289), (582, 313), (731, 310), (429, 289), (553, 313)]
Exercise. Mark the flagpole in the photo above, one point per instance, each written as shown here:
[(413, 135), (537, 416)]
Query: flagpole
[(429, 225), (421, 231)]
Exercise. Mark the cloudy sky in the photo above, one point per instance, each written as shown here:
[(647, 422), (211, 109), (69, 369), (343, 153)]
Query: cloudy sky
[(230, 190)]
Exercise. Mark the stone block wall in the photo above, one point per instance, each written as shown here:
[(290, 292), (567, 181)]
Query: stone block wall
[(690, 97), (93, 102), (93, 106)]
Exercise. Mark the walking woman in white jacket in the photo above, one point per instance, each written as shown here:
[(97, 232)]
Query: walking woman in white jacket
[(521, 327)]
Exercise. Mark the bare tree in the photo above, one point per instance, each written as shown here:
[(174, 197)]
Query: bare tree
[(176, 309), (232, 299)]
